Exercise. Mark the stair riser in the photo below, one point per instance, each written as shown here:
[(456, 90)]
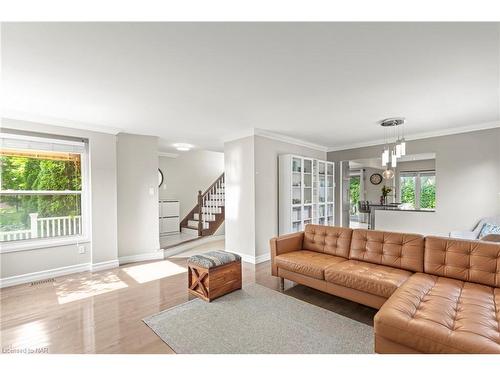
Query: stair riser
[(212, 203), (194, 223), (206, 217), (211, 210), (189, 231), (216, 197)]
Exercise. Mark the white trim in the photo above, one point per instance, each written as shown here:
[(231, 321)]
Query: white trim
[(45, 140), (168, 154), (414, 137), (23, 245), (41, 275), (186, 246), (22, 116), (252, 259), (101, 266), (262, 258), (291, 140), (153, 255)]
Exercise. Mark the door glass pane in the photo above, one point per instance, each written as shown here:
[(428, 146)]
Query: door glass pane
[(296, 214), (307, 195), (330, 169), (296, 165), (296, 179), (321, 167), (296, 195), (307, 212), (307, 166), (427, 191), (330, 195), (307, 180)]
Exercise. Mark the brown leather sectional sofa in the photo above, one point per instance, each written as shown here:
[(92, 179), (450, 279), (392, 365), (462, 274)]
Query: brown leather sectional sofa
[(434, 295)]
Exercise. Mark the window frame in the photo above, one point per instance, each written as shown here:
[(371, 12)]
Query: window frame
[(418, 185), (40, 243)]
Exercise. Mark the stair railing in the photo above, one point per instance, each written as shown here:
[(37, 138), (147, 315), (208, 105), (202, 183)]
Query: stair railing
[(211, 199)]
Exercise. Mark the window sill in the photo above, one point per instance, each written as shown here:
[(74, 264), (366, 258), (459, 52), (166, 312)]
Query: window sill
[(25, 245)]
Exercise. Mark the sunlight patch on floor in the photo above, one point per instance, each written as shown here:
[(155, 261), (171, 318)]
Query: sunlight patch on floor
[(144, 273), (85, 287)]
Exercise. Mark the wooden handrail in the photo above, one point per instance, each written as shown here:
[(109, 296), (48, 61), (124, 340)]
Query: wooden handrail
[(215, 182), (199, 207)]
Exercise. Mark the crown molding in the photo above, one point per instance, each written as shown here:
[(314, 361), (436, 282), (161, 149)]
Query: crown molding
[(287, 139), (423, 135), (168, 154), (47, 120), (276, 137)]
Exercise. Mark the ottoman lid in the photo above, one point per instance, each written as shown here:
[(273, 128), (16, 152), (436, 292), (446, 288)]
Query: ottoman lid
[(213, 259)]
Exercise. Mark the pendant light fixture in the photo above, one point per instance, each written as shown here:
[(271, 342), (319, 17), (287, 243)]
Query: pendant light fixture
[(394, 144)]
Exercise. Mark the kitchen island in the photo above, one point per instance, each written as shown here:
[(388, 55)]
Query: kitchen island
[(397, 219)]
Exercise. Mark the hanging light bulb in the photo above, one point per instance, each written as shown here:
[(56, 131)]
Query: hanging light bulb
[(394, 159), (385, 157), (398, 149), (388, 174), (403, 147)]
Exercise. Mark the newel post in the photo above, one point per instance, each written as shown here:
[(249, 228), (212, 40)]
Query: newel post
[(34, 225), (200, 213)]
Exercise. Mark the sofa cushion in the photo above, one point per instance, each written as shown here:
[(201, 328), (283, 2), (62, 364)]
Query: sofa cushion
[(400, 250), (367, 277), (309, 263), (432, 314), (325, 239), (474, 261)]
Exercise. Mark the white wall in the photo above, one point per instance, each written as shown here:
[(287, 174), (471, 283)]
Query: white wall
[(467, 176), (239, 169), (266, 186), (251, 168), (186, 174), (102, 245), (137, 181)]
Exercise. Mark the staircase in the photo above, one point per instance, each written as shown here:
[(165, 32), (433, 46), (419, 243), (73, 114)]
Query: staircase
[(208, 215)]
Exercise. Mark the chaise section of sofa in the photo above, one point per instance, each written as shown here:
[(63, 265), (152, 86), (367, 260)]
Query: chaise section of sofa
[(454, 307)]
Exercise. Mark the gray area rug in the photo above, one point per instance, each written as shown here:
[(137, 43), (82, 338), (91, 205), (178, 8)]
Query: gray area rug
[(258, 320)]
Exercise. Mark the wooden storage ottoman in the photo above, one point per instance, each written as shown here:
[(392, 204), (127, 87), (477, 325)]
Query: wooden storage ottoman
[(214, 274)]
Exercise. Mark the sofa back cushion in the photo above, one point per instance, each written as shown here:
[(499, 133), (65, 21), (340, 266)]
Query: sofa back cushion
[(399, 250), (473, 261), (329, 240)]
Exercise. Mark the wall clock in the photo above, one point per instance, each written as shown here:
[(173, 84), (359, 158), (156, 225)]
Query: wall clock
[(160, 177), (376, 178)]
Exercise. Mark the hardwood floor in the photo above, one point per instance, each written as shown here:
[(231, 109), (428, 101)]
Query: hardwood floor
[(101, 312)]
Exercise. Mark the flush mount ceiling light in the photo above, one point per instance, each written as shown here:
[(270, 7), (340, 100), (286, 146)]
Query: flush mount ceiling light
[(182, 146), (394, 143)]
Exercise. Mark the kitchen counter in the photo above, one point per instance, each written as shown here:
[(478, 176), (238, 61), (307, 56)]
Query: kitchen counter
[(395, 219)]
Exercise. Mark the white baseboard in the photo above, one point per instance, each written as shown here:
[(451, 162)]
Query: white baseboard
[(154, 255), (101, 266), (252, 259), (42, 275), (262, 258), (188, 245)]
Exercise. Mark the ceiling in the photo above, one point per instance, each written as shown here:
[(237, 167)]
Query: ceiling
[(206, 83)]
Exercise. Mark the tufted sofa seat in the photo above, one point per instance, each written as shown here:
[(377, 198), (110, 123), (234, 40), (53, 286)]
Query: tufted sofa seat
[(435, 295)]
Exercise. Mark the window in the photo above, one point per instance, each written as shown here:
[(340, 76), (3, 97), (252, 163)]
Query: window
[(418, 189), (42, 193)]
